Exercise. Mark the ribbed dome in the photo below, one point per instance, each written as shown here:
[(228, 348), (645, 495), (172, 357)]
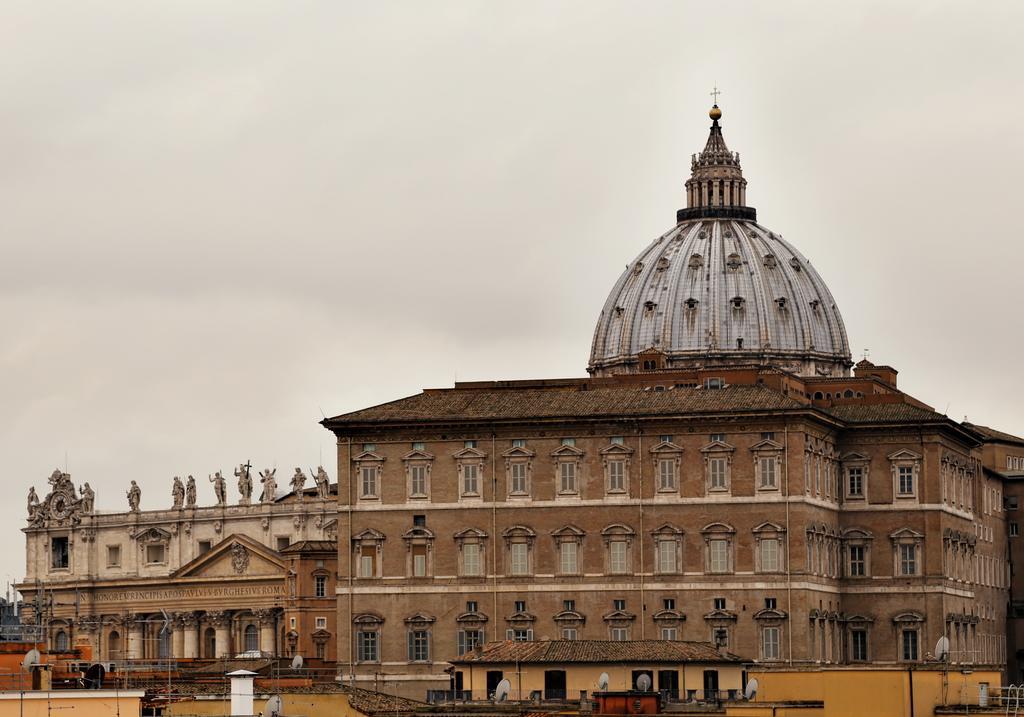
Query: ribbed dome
[(719, 290)]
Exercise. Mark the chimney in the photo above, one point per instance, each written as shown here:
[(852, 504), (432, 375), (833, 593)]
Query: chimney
[(241, 693)]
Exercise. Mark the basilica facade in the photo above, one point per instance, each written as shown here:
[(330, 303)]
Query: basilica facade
[(724, 474)]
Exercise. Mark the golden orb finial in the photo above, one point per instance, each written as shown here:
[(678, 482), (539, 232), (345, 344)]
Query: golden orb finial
[(715, 113)]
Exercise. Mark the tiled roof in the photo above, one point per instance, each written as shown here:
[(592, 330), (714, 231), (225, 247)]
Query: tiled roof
[(596, 651), (564, 402), (883, 413), (366, 701), (994, 435), (369, 702), (311, 546)]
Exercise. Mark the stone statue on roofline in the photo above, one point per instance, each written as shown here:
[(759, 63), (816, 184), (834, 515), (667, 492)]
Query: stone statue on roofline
[(190, 492), (178, 493), (88, 498), (269, 485), (220, 488), (134, 497), (33, 503), (299, 483), (323, 483), (244, 484)]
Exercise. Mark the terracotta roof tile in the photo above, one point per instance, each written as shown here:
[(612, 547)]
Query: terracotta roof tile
[(883, 413), (564, 402), (994, 435), (596, 651)]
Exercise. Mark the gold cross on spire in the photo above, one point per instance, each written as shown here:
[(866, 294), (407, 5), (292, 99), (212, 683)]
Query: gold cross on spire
[(715, 93)]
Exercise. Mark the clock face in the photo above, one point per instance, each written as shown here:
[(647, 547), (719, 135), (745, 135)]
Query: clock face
[(59, 506)]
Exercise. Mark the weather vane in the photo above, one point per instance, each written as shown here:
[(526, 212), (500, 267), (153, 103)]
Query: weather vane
[(715, 93)]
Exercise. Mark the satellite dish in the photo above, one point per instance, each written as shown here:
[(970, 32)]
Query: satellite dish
[(502, 690), (297, 662), (942, 648), (94, 677), (643, 683), (602, 681), (751, 691), (31, 659), (274, 706)]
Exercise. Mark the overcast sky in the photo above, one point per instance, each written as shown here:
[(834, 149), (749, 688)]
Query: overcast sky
[(219, 219)]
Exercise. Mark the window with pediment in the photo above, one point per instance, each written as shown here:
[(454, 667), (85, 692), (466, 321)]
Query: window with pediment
[(418, 636), (767, 465), (668, 550), (418, 464), (855, 477), (769, 548), (568, 461), (909, 626), (368, 550), (519, 542), (419, 552), (667, 458), (907, 552), (369, 469), (568, 547), (367, 627), (719, 539), (616, 460), (154, 544), (856, 545), (471, 546), (618, 542), (519, 471), (717, 467), (469, 465), (906, 467)]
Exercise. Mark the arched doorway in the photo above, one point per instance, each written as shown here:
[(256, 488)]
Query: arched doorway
[(114, 645), (210, 643), (252, 638)]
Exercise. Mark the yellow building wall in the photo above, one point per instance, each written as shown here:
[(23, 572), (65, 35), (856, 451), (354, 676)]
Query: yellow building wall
[(329, 704), (877, 692), (530, 677), (81, 703)]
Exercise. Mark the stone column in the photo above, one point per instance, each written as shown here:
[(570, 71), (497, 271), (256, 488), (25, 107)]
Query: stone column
[(177, 635), (135, 632), (267, 619), (221, 622), (190, 636)]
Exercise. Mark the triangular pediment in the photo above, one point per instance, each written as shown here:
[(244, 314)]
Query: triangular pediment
[(906, 533), (568, 531), (566, 451), (769, 527), (618, 616), (668, 615), (518, 452), (666, 447), (467, 453), (718, 447), (236, 556), (854, 457), (418, 455), (152, 535), (368, 456), (767, 445), (616, 449), (904, 455)]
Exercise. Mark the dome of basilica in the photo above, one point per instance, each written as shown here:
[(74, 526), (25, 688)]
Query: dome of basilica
[(719, 289)]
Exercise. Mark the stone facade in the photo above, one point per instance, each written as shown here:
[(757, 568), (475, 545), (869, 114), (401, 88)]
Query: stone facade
[(188, 582)]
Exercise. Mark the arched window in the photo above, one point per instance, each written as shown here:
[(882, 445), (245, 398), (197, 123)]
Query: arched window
[(252, 638), (60, 641), (114, 645), (164, 646), (210, 642)]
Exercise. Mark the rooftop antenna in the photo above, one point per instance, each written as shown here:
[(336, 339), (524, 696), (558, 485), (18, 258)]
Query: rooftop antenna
[(866, 354), (751, 690)]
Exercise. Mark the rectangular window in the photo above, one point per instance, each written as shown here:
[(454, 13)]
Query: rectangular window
[(205, 546), (770, 603), (369, 447), (471, 606), (520, 635), (367, 561), (668, 603), (767, 466), (471, 559), (909, 646), (717, 438), (616, 476), (469, 444), (418, 445), (568, 441), (905, 480), (419, 646), (667, 474), (767, 435), (59, 555), (855, 482), (369, 481), (567, 558), (519, 443), (908, 559), (718, 556), (665, 438), (619, 634), (520, 554), (719, 603), (320, 586), (470, 479), (618, 440), (569, 633), (469, 640), (1014, 530), (568, 477), (419, 561), (518, 478), (569, 605), (618, 604), (667, 556), (857, 561), (321, 623), (769, 556), (418, 480), (113, 556), (716, 469), (859, 645), (770, 643), (669, 633), (520, 605), (617, 556), (367, 646), (155, 554)]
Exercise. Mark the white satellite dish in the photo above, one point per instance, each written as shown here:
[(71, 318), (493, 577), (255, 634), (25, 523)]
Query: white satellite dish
[(274, 706), (942, 649), (297, 662), (31, 658), (751, 691), (502, 690), (643, 683), (602, 681)]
